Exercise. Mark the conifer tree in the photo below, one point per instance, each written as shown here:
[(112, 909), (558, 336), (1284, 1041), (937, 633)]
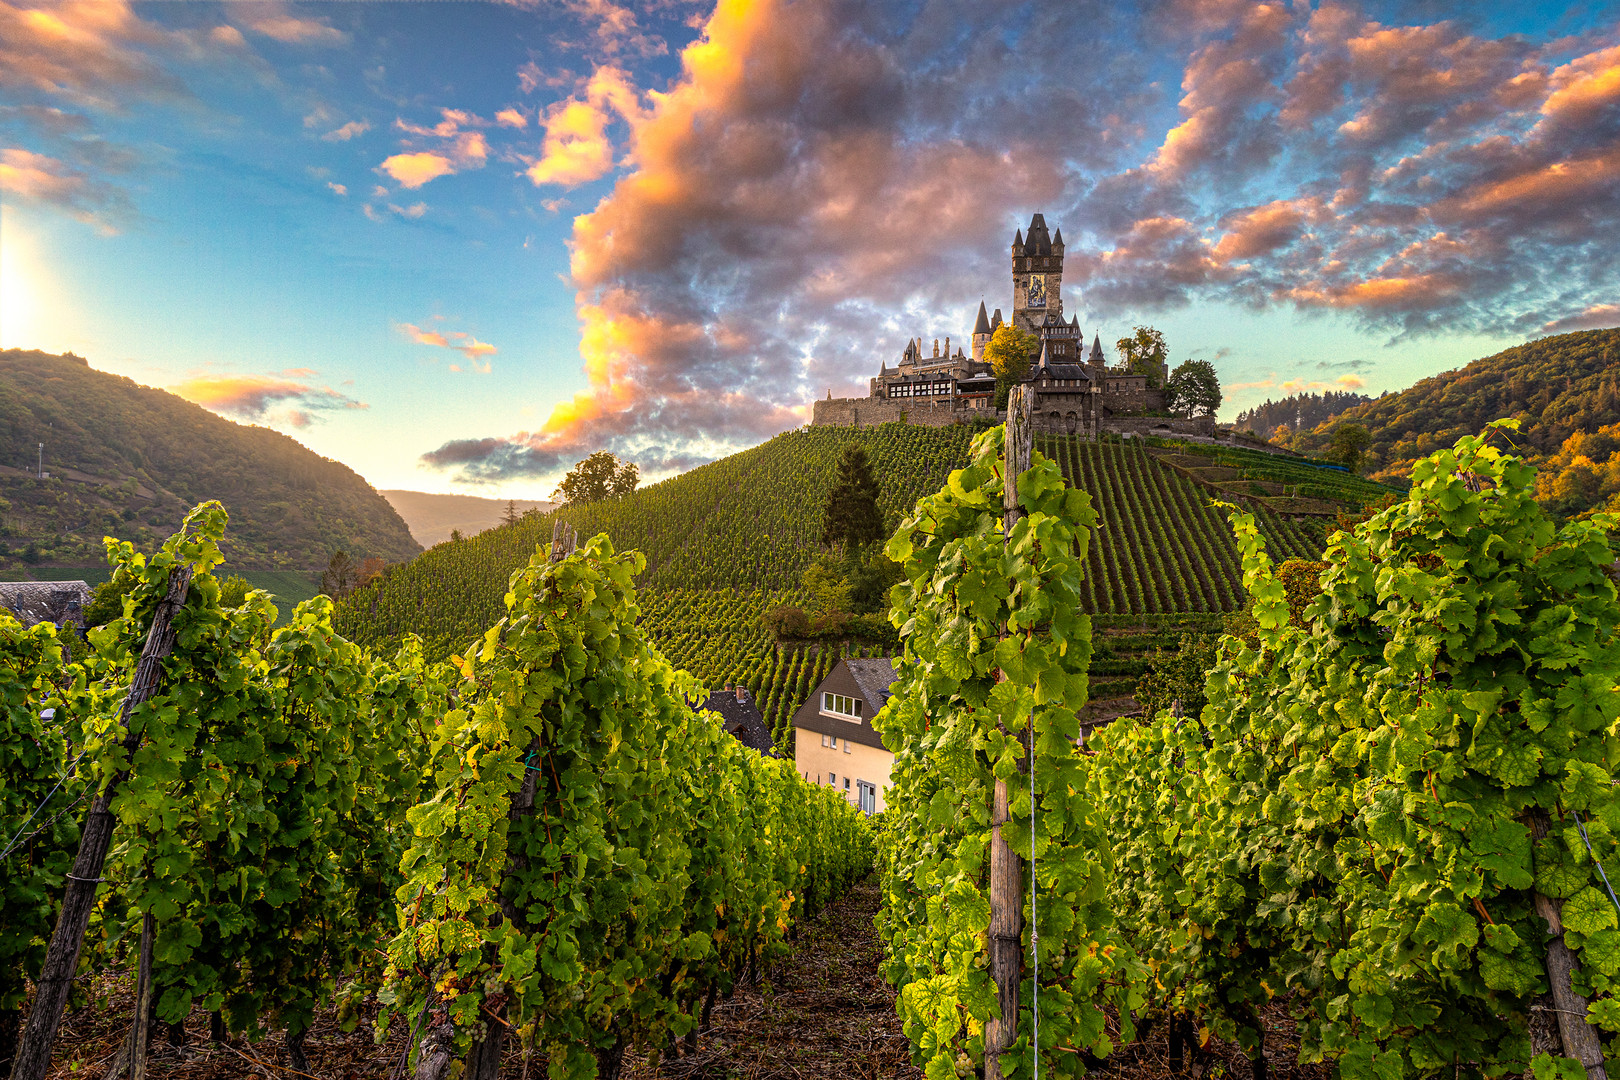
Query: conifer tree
[(852, 518)]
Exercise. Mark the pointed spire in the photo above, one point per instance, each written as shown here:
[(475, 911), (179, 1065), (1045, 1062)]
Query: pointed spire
[(1057, 239), (1096, 349), (1018, 239), (996, 320), (982, 326)]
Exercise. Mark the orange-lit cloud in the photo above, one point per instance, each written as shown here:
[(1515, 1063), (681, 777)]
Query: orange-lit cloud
[(458, 149), (41, 179), (1584, 85), (1593, 317), (462, 342), (511, 118), (414, 170), (576, 149), (275, 399)]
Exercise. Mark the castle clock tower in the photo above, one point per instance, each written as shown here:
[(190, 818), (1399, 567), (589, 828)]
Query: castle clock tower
[(1037, 268)]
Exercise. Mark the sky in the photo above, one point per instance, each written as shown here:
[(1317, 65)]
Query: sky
[(460, 246)]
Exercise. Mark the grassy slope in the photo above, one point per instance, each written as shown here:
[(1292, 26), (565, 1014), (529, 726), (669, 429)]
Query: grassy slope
[(729, 540), (129, 461)]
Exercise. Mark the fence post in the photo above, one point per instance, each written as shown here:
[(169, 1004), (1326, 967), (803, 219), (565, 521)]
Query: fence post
[(62, 957), (1006, 868)]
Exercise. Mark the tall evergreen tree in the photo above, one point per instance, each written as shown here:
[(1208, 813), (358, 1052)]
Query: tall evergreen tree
[(852, 518)]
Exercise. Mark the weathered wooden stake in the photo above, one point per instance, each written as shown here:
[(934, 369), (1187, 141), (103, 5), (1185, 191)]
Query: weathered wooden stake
[(139, 1031), (1580, 1038), (1006, 867), (62, 958)]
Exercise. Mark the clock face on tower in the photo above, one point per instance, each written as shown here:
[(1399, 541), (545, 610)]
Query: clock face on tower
[(1037, 290)]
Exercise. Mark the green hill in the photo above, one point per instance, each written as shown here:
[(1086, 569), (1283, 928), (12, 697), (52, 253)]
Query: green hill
[(1556, 386), (127, 460), (727, 541)]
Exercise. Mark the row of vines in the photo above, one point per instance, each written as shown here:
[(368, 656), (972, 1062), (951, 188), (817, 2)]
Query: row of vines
[(1391, 832), (540, 837), (727, 542)]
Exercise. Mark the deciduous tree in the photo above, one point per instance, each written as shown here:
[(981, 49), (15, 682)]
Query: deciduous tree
[(1010, 353), (1350, 442), (1194, 389), (598, 477), (1144, 353)]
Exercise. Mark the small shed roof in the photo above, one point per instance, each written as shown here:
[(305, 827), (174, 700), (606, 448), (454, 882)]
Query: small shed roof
[(46, 601), (742, 719)]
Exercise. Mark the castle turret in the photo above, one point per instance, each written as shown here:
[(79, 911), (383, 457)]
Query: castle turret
[(1096, 351), (981, 333)]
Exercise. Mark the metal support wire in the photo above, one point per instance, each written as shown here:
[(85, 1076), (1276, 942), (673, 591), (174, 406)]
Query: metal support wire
[(1034, 923), (1604, 874)]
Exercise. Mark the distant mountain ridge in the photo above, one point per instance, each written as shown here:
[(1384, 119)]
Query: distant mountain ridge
[(128, 461), (1555, 386), (432, 517)]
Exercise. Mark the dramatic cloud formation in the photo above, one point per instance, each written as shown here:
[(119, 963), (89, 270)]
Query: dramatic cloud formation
[(816, 171), (286, 398)]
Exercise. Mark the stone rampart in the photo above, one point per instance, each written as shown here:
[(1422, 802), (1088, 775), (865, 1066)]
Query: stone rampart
[(869, 412), (1198, 427), (1133, 402)]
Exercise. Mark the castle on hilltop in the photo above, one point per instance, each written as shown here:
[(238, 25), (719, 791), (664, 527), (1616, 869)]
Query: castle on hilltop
[(1074, 392)]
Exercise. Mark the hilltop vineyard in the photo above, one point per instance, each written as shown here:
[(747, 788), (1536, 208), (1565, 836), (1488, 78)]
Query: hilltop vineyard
[(729, 541)]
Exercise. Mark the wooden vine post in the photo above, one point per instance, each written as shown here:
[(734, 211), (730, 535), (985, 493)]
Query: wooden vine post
[(62, 958), (483, 1060), (1580, 1039), (1006, 867)]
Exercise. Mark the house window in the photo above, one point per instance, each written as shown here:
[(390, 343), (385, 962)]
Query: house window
[(832, 778), (846, 783), (846, 746), (839, 705), (868, 796)]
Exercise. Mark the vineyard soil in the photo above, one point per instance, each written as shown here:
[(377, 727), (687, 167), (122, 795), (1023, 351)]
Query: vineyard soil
[(824, 1012)]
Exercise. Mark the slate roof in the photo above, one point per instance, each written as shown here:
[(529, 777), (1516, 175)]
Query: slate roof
[(874, 676), (983, 325), (742, 719), (46, 601)]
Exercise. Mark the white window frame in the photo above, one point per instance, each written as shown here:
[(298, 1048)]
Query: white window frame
[(842, 706)]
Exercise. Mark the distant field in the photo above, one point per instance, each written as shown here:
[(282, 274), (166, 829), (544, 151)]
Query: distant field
[(289, 587)]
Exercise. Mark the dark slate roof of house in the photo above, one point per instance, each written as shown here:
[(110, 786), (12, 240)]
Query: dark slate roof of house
[(1060, 371), (874, 676), (46, 601), (742, 719)]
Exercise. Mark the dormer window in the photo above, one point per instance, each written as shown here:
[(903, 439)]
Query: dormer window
[(838, 705)]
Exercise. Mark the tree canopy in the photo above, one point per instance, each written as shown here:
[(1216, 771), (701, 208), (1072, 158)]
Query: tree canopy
[(1194, 388), (1144, 353), (1349, 444), (851, 517), (1010, 354), (598, 477)]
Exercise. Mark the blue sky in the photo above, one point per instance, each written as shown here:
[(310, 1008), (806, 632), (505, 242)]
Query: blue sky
[(459, 246)]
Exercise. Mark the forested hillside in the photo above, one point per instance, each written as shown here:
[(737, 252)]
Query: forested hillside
[(1555, 386), (129, 461), (1297, 412), (728, 541)]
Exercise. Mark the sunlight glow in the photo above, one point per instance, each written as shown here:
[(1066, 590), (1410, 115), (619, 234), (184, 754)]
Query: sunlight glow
[(20, 288)]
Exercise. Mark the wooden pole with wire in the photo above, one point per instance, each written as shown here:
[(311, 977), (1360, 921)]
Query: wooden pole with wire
[(1006, 867)]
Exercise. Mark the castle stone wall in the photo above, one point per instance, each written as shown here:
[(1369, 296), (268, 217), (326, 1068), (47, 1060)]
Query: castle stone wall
[(1198, 427), (1132, 402), (869, 412)]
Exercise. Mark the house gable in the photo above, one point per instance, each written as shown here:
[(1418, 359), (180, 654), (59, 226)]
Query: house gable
[(865, 680)]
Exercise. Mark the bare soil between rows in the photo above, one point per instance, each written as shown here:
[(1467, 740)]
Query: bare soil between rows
[(822, 1012)]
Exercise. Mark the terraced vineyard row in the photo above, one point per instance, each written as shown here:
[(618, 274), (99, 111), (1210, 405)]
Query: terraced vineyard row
[(1160, 546)]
